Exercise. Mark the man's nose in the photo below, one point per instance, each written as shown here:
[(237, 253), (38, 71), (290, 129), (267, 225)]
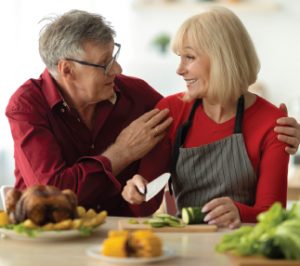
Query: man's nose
[(116, 69)]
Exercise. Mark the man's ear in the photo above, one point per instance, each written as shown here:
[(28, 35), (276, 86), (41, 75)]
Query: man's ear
[(65, 69)]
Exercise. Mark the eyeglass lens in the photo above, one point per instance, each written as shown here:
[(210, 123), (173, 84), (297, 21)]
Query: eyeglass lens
[(114, 58)]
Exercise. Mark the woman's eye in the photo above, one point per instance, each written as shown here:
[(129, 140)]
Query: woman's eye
[(189, 57)]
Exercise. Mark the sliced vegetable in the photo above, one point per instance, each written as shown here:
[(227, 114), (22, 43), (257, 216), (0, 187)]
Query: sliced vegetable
[(133, 221), (161, 220), (192, 215)]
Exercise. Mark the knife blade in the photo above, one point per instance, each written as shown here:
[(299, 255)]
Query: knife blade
[(156, 185)]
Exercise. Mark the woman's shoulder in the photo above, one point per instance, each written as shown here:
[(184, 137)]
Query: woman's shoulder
[(264, 108), (174, 101), (179, 109)]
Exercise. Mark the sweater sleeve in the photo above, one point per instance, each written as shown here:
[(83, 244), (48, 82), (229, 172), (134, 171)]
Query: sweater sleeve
[(272, 179)]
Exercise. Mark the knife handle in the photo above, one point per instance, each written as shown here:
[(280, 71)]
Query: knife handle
[(140, 192)]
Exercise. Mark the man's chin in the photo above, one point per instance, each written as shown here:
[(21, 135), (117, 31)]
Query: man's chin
[(109, 96)]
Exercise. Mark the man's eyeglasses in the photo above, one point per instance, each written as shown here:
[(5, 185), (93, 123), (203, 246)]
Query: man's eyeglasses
[(106, 67)]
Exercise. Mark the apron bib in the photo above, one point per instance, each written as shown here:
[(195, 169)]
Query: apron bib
[(217, 169)]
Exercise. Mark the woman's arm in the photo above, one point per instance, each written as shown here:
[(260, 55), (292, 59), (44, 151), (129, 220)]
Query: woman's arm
[(272, 179)]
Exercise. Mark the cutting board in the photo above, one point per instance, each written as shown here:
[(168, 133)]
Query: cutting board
[(259, 261), (125, 225)]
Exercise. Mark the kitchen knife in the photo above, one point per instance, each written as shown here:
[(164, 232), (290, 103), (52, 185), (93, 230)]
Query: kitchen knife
[(156, 185)]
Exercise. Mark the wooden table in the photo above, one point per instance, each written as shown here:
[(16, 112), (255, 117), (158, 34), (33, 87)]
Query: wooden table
[(191, 248)]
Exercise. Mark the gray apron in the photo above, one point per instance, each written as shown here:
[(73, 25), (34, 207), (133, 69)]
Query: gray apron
[(217, 169)]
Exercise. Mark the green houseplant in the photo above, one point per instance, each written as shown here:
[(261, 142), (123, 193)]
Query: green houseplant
[(162, 41)]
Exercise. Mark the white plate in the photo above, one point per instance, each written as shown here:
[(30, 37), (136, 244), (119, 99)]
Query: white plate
[(95, 252), (42, 236)]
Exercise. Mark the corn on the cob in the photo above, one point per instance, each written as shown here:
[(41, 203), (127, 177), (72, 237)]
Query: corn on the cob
[(141, 243)]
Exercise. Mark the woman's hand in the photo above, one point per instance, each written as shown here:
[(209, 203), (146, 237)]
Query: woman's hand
[(134, 191), (288, 130), (222, 212)]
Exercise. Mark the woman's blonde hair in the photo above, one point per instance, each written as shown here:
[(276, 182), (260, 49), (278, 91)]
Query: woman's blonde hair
[(220, 34)]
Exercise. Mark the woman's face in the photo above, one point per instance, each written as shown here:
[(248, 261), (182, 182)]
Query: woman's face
[(91, 84), (195, 70)]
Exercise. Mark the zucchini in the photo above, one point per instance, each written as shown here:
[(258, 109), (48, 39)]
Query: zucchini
[(192, 215)]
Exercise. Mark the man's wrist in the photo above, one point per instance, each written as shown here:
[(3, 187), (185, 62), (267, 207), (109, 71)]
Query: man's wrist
[(118, 156)]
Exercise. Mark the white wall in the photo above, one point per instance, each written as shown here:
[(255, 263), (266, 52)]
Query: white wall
[(275, 32), (276, 35), (19, 58)]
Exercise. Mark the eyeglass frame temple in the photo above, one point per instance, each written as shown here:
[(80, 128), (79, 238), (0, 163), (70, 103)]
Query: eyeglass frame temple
[(96, 65)]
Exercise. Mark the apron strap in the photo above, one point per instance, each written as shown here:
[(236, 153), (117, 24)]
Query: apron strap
[(239, 115), (180, 137)]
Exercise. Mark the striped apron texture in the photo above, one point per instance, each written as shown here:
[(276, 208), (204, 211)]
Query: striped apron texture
[(217, 169)]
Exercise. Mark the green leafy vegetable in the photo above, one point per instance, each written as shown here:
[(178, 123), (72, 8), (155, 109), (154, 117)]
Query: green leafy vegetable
[(288, 238), (21, 229), (85, 231), (271, 249), (32, 232), (276, 235)]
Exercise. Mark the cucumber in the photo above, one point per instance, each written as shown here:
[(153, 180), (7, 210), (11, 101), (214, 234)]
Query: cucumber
[(175, 224), (160, 220), (167, 217), (157, 225), (192, 215), (163, 215), (156, 222), (185, 216)]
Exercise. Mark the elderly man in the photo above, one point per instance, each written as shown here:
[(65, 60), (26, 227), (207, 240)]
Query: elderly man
[(84, 126)]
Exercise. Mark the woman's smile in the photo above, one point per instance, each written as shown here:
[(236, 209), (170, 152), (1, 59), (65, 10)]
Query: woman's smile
[(190, 81)]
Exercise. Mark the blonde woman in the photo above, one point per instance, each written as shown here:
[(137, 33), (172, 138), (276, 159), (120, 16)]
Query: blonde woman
[(226, 156)]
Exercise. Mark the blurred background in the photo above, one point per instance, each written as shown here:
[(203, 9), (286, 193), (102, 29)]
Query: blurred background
[(144, 28)]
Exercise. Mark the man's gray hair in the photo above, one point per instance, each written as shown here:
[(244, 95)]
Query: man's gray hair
[(65, 35)]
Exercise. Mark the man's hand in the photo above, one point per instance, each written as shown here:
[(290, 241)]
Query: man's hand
[(136, 140), (134, 191), (222, 212), (288, 130)]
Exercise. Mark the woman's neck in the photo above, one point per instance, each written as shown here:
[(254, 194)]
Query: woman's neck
[(221, 113), (217, 112)]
